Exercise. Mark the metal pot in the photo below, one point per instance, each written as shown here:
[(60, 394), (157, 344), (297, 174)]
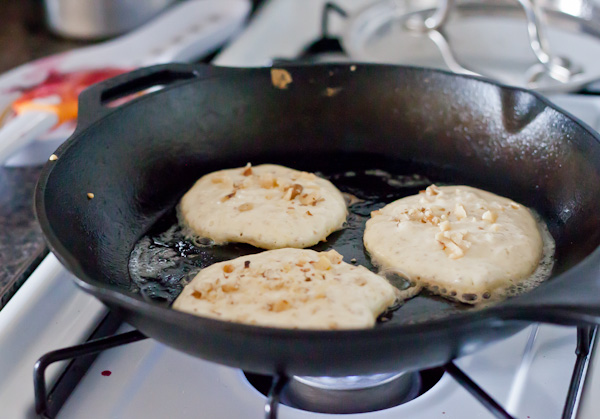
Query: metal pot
[(93, 19)]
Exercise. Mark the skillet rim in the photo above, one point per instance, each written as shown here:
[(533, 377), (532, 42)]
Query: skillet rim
[(499, 313)]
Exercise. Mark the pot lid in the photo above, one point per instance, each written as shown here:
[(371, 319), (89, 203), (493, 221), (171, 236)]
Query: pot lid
[(517, 43)]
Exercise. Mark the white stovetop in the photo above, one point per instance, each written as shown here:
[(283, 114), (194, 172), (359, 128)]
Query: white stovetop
[(151, 380)]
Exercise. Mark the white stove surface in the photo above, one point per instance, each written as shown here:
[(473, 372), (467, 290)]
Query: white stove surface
[(48, 312), (528, 373), (295, 24), (151, 380)]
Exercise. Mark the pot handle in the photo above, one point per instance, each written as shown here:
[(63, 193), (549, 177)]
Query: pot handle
[(101, 98), (572, 298)]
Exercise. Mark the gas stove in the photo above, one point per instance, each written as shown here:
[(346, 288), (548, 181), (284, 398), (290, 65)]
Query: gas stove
[(529, 375)]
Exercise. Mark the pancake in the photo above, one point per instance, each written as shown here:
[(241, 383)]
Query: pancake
[(289, 288), (267, 206), (457, 241)]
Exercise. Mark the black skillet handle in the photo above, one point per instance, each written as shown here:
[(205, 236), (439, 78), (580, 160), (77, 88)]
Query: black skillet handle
[(572, 298), (93, 101)]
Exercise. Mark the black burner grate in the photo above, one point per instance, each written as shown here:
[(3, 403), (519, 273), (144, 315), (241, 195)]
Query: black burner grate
[(48, 404)]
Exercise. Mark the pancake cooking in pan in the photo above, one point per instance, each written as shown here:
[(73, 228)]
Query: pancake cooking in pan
[(268, 206)]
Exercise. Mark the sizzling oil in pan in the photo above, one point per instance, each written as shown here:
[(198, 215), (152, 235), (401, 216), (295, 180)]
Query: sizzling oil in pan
[(164, 260)]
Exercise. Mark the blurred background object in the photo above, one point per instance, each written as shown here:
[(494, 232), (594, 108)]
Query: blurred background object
[(99, 19), (536, 44), (24, 36), (42, 94)]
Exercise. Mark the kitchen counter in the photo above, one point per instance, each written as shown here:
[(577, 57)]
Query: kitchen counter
[(23, 37), (21, 243)]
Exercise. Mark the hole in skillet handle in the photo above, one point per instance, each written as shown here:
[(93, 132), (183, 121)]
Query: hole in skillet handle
[(117, 95), (102, 98)]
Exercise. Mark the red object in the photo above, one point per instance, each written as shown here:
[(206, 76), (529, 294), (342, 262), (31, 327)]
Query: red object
[(67, 86), (106, 373)]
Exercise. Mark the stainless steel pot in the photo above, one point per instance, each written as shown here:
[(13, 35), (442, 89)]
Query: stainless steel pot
[(98, 19)]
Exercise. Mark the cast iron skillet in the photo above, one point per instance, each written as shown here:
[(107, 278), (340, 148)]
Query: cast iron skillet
[(138, 159)]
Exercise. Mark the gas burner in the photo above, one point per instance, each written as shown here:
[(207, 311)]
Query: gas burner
[(353, 394)]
